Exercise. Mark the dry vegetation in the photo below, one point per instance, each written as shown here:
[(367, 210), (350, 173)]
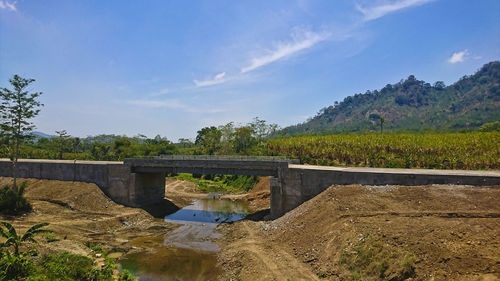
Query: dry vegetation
[(470, 151)]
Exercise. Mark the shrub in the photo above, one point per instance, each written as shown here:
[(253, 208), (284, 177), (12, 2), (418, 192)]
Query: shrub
[(15, 264), (126, 276), (12, 203), (15, 267), (369, 259), (68, 267)]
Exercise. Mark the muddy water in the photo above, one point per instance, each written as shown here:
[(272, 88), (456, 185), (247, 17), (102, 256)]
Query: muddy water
[(187, 253)]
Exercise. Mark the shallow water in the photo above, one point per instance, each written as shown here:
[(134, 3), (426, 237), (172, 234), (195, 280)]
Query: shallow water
[(187, 253)]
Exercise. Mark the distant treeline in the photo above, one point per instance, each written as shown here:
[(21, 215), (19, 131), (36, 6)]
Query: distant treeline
[(228, 139)]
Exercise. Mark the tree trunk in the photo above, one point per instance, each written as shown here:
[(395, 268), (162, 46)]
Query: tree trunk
[(14, 166)]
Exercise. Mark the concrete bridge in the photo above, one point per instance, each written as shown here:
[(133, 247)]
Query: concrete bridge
[(140, 181)]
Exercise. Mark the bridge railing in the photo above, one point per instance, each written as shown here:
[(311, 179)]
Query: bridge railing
[(220, 157)]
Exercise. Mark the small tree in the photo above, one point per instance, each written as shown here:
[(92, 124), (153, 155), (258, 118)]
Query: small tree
[(382, 121), (61, 143), (17, 108), (15, 265)]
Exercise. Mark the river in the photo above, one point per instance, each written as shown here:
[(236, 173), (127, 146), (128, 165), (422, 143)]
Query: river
[(188, 252)]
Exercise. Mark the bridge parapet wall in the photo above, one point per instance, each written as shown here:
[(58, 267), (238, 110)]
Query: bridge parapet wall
[(112, 177)]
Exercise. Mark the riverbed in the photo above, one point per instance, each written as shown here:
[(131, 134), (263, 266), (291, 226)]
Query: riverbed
[(189, 251)]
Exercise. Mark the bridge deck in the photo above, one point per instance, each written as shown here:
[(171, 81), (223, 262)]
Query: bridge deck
[(231, 166)]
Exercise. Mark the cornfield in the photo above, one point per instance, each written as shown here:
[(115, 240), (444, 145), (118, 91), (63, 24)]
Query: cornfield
[(468, 151)]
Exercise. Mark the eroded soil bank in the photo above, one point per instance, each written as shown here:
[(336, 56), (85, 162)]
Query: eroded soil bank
[(80, 212), (438, 232)]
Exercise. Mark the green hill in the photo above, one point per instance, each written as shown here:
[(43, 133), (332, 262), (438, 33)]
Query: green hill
[(414, 105)]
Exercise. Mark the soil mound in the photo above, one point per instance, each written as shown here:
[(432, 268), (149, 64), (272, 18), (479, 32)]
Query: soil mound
[(354, 232)]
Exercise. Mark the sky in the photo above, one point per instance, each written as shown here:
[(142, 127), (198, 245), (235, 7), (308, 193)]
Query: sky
[(174, 67)]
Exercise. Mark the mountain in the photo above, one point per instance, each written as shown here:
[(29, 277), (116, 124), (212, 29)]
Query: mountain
[(41, 135), (414, 105)]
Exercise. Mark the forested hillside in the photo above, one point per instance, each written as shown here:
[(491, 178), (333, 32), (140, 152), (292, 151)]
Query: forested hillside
[(414, 105)]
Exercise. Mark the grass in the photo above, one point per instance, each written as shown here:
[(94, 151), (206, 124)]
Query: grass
[(370, 259), (469, 151), (220, 183)]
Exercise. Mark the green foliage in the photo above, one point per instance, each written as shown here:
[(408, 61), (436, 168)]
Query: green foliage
[(220, 183), (228, 139), (66, 267), (101, 147), (413, 105), (12, 202), (96, 248), (15, 264), (12, 239), (126, 276), (15, 267), (470, 151), (490, 127), (209, 139)]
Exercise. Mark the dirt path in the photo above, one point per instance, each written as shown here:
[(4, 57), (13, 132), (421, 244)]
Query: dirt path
[(256, 259)]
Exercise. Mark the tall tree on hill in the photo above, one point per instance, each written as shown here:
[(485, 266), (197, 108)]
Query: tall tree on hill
[(17, 107)]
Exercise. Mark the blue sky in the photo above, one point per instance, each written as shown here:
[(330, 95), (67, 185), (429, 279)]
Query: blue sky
[(173, 67)]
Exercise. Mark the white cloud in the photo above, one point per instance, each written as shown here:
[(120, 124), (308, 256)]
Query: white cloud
[(458, 56), (8, 6), (378, 11), (301, 40), (219, 78), (172, 104), (160, 92)]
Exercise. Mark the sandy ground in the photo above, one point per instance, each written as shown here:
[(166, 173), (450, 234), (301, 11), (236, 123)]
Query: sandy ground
[(451, 232)]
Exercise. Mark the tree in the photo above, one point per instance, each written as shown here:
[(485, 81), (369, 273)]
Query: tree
[(439, 85), (209, 139), (61, 143), (227, 137), (382, 121), (262, 130), (17, 108), (185, 143), (243, 138)]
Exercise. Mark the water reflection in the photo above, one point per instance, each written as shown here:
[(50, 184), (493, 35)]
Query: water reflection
[(210, 210), (187, 253), (199, 221), (172, 264)]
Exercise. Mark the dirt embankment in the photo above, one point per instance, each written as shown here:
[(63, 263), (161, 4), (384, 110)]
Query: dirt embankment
[(81, 212), (434, 232)]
